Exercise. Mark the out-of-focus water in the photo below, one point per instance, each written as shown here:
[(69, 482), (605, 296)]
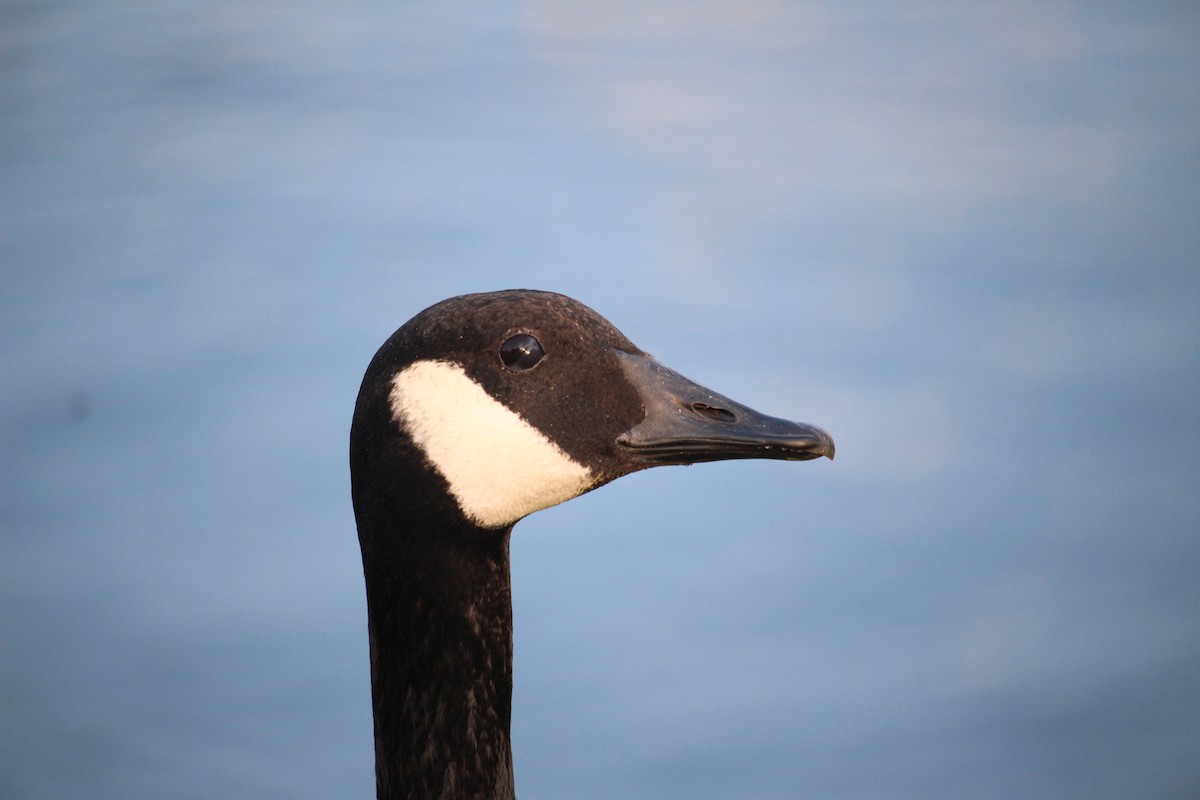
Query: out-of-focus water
[(963, 238)]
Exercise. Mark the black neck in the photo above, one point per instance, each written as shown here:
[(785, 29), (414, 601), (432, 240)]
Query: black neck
[(440, 616)]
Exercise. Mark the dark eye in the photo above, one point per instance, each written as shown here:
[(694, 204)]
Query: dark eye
[(522, 352)]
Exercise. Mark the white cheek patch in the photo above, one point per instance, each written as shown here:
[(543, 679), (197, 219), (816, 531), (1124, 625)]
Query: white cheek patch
[(499, 467)]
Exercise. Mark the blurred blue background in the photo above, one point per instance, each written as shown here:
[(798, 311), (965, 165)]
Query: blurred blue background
[(963, 237)]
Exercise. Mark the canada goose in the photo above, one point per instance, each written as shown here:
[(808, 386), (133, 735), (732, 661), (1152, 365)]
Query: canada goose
[(477, 412)]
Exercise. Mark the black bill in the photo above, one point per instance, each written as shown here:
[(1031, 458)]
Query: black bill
[(686, 423)]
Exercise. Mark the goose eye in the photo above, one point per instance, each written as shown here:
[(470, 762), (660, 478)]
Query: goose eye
[(522, 352)]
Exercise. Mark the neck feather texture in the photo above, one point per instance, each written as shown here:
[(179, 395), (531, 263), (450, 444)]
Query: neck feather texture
[(440, 618)]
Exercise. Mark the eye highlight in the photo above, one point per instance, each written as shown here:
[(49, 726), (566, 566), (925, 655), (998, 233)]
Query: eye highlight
[(521, 353)]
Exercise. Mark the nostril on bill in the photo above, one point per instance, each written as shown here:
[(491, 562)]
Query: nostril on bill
[(714, 413)]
